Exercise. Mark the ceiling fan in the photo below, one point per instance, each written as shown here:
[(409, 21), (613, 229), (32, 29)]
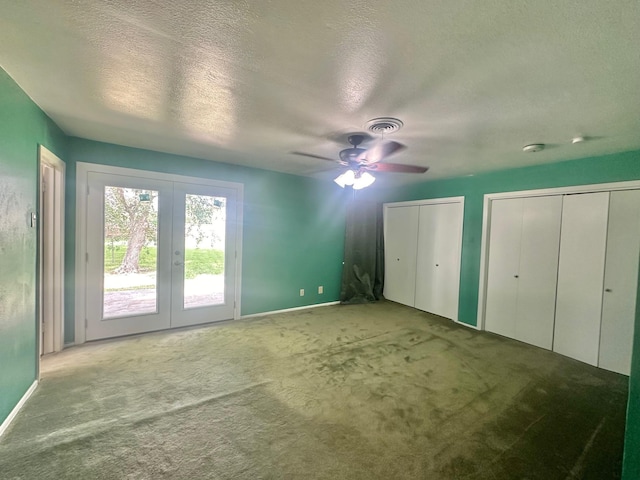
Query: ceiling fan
[(360, 161)]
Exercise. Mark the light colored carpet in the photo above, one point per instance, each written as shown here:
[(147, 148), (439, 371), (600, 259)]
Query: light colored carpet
[(378, 391)]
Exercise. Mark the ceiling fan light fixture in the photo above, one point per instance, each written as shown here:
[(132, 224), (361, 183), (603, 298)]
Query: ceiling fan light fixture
[(346, 178), (363, 181)]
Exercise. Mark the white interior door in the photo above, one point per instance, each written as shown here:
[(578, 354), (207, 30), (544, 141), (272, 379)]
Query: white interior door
[(504, 266), (400, 244), (51, 244), (160, 254), (538, 270), (620, 281), (581, 276), (47, 257), (438, 259)]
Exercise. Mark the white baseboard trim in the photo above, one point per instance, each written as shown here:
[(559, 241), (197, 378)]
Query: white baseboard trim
[(262, 314), (17, 408), (475, 327)]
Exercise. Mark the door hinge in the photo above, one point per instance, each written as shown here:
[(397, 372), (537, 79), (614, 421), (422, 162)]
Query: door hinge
[(87, 189), (86, 323), (86, 257)]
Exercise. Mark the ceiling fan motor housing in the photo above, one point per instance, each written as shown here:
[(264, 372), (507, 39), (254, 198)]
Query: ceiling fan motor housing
[(350, 155)]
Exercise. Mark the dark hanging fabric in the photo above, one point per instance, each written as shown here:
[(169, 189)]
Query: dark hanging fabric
[(363, 271)]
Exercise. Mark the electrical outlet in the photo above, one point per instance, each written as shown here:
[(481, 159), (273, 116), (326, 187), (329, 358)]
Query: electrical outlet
[(302, 292), (320, 289)]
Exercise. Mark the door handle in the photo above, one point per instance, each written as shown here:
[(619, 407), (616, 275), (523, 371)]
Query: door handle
[(516, 276), (178, 263), (608, 290)]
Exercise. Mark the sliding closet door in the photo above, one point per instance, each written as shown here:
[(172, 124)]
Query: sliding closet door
[(620, 281), (401, 241), (581, 275), (438, 259), (523, 266), (538, 271), (504, 264)]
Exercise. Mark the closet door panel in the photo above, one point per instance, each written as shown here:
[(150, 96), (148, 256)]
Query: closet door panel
[(438, 264), (620, 281), (427, 287), (538, 270), (401, 239), (581, 275), (503, 266), (447, 260)]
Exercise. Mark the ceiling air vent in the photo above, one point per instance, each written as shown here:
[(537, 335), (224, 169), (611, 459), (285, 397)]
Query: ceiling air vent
[(384, 125)]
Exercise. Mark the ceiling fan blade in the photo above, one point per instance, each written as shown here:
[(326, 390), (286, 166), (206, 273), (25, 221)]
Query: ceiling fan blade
[(316, 156), (380, 151), (395, 167)]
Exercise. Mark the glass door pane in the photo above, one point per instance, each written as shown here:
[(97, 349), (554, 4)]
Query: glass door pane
[(128, 244), (130, 251), (204, 250)]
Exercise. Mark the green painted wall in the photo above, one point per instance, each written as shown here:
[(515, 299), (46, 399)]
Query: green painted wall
[(631, 465), (293, 234), (22, 127)]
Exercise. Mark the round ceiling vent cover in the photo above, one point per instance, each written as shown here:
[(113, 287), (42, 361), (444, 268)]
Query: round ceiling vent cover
[(532, 148), (384, 125)]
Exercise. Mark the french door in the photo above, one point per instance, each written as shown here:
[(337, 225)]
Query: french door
[(160, 254)]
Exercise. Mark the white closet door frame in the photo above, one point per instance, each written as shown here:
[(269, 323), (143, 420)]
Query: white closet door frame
[(82, 175), (434, 201), (486, 222)]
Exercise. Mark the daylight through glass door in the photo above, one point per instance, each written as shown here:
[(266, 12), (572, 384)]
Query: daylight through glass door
[(159, 254), (204, 254), (130, 251)]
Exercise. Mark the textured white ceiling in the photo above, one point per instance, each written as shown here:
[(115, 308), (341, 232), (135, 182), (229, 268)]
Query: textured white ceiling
[(247, 82)]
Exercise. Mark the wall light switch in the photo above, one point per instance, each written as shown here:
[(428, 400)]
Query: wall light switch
[(320, 289), (302, 292)]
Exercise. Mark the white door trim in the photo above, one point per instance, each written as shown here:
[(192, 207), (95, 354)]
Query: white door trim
[(52, 319), (486, 221), (82, 172), (427, 201)]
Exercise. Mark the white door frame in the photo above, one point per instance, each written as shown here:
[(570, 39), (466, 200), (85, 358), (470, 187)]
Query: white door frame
[(486, 222), (51, 265), (82, 173)]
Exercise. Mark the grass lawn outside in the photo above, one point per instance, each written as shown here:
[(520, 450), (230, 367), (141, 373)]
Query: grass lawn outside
[(198, 261)]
